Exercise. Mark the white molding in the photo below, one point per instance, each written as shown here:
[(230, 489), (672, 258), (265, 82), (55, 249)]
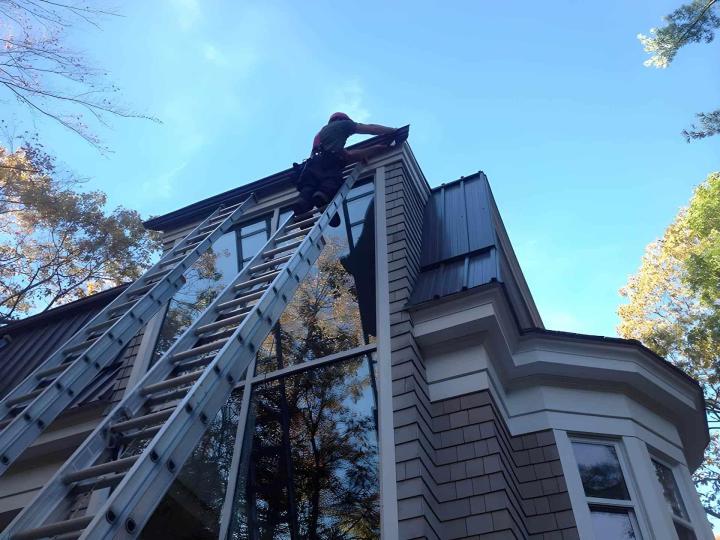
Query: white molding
[(386, 436), (655, 512), (578, 501), (698, 517)]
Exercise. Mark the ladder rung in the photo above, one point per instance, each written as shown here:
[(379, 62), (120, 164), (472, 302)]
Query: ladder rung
[(141, 290), (199, 350), (25, 397), (241, 311), (124, 306), (98, 483), (198, 238), (290, 236), (192, 364), (140, 434), (242, 299), (80, 346), (148, 419), (171, 383), (281, 249), (184, 250), (261, 279), (159, 273), (54, 529), (232, 206), (209, 227), (104, 324), (220, 335), (270, 264), (220, 217), (52, 371), (301, 224), (219, 324), (98, 470), (173, 260), (157, 400)]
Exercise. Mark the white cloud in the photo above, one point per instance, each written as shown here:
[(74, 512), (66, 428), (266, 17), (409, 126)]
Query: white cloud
[(162, 186), (349, 99), (187, 12), (213, 55)]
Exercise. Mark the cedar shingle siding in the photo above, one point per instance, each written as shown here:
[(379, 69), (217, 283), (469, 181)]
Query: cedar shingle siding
[(460, 473)]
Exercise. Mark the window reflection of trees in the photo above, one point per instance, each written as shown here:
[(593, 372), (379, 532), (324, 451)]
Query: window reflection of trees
[(191, 508), (309, 464), (204, 281), (312, 469)]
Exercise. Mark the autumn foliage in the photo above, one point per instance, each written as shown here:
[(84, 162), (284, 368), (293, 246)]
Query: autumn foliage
[(58, 243)]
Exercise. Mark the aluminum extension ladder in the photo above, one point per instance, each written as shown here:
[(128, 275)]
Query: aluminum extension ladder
[(169, 410), (32, 405)]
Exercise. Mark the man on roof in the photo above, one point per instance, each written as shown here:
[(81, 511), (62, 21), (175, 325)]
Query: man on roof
[(319, 178)]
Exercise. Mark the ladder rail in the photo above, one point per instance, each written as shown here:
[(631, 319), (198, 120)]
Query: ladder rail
[(41, 409), (176, 439)]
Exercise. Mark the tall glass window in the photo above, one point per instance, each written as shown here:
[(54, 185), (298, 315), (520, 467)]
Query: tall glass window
[(297, 457), (309, 459)]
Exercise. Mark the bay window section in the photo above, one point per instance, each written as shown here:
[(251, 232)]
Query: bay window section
[(309, 464), (191, 508)]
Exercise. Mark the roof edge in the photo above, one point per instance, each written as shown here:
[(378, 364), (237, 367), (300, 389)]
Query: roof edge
[(268, 184), (85, 302)]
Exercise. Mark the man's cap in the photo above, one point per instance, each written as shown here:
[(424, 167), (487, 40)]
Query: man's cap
[(338, 116)]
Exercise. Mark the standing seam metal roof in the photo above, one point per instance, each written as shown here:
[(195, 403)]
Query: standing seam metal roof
[(459, 242)]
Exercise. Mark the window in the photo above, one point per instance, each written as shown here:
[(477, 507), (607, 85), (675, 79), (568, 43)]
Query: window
[(251, 238), (671, 492), (294, 454), (612, 509), (208, 276)]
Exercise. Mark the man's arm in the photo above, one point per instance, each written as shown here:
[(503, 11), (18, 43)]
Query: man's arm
[(372, 129)]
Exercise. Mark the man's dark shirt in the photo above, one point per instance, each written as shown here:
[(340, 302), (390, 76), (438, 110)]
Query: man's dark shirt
[(333, 136)]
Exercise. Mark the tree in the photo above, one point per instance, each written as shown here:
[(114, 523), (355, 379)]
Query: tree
[(56, 243), (40, 71), (691, 23), (674, 309)]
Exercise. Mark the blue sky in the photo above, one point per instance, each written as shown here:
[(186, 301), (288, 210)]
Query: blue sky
[(580, 141)]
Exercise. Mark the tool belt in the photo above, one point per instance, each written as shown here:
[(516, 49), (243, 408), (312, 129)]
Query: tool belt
[(318, 168)]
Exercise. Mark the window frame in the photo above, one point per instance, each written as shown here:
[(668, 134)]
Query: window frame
[(582, 504), (674, 471)]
